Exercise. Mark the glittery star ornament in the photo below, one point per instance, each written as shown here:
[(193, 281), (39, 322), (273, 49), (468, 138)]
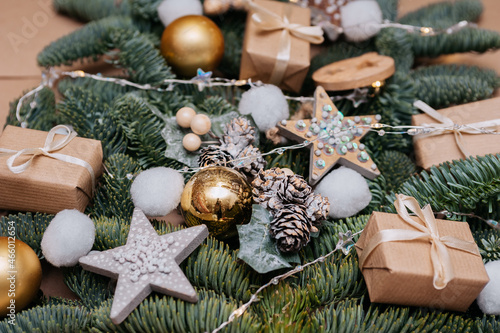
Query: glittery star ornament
[(333, 138), (148, 262)]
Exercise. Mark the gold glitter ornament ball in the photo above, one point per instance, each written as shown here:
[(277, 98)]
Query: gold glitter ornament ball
[(192, 42), (20, 275), (218, 197)]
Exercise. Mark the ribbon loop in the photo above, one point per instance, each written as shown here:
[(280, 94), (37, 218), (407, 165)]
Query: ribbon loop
[(267, 20), (451, 127), (47, 150), (426, 231)]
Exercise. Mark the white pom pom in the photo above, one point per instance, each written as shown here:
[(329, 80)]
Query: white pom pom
[(361, 19), (69, 236), (489, 298), (266, 104), (346, 190), (170, 10), (157, 191)]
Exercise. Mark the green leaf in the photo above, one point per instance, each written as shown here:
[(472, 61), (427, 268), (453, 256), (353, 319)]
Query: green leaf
[(257, 248)]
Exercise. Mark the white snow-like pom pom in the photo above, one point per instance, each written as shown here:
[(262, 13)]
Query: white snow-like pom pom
[(170, 10), (489, 298), (266, 104), (69, 236), (157, 191), (346, 190), (361, 19)]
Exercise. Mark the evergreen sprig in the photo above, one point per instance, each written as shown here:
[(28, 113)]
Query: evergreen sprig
[(39, 112), (29, 228), (92, 289), (90, 41), (396, 167), (92, 10)]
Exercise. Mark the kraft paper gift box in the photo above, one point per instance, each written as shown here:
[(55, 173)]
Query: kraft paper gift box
[(436, 149), (261, 47), (48, 185), (401, 272)]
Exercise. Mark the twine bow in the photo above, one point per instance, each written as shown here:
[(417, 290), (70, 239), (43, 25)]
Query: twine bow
[(269, 21), (50, 146), (483, 127), (439, 255)]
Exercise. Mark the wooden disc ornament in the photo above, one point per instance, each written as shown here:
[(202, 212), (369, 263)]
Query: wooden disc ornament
[(20, 275), (218, 197), (354, 72), (192, 42)]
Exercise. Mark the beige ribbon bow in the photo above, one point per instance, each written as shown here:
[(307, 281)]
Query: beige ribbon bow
[(269, 21), (482, 127), (440, 258), (47, 150)]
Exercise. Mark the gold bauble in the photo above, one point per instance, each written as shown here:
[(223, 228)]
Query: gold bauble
[(20, 275), (192, 42), (218, 197)]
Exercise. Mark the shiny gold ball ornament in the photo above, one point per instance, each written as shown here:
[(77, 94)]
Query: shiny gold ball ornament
[(191, 42), (218, 197), (20, 275)]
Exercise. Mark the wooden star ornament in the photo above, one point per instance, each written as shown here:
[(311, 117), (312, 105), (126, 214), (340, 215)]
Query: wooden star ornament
[(333, 138), (147, 262)]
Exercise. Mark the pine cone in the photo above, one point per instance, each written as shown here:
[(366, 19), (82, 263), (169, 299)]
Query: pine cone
[(317, 208), (253, 164), (238, 134), (214, 155), (291, 228), (265, 185), (294, 189)]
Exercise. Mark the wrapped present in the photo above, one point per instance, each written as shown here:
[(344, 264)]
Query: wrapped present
[(47, 172), (456, 132), (420, 261), (277, 44)]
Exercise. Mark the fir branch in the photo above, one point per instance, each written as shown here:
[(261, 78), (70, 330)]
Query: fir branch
[(443, 85), (143, 129), (29, 228), (214, 266), (488, 242), (396, 167), (378, 189), (110, 232), (89, 116), (470, 185), (89, 41), (465, 40), (93, 289), (113, 197), (389, 9), (167, 314), (106, 91), (146, 9), (397, 44), (284, 308), (42, 116), (49, 318), (346, 316), (92, 10), (139, 58), (333, 280), (444, 13)]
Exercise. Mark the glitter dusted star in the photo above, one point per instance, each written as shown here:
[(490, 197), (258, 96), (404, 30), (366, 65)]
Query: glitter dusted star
[(333, 138), (148, 262)]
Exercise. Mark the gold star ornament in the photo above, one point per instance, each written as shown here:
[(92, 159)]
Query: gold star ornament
[(333, 138)]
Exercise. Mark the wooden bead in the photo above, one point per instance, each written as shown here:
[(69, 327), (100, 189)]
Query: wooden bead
[(191, 142), (201, 124), (184, 116)]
